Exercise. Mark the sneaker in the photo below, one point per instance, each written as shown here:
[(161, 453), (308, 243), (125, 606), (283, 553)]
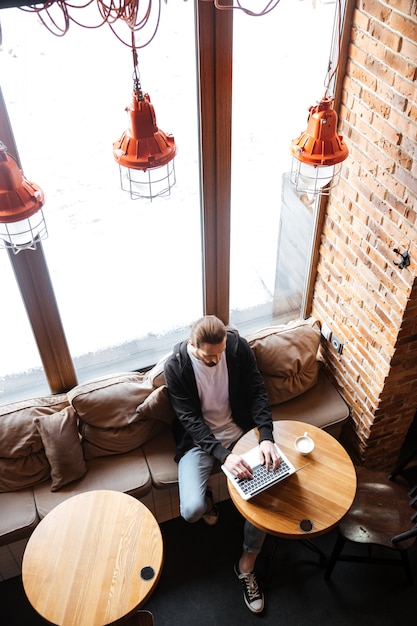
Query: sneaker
[(252, 594), (211, 516)]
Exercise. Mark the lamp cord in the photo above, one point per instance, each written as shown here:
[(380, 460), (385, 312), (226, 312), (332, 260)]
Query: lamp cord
[(111, 12), (335, 45)]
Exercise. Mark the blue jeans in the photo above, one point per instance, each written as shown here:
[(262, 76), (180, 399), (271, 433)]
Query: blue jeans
[(194, 471)]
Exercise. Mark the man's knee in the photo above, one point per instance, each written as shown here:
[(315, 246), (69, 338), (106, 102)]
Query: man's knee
[(193, 513)]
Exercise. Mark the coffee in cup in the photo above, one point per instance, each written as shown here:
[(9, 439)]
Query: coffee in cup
[(304, 444)]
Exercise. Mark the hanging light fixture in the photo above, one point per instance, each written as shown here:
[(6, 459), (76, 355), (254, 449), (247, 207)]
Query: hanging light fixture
[(144, 152), (319, 151), (22, 223)]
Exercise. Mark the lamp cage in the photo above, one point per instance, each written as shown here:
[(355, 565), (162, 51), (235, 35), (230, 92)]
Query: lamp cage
[(22, 223), (318, 152)]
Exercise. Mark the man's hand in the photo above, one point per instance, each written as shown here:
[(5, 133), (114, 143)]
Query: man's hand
[(238, 466), (269, 455), (241, 469)]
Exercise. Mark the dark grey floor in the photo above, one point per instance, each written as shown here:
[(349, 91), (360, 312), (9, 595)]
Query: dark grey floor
[(198, 587)]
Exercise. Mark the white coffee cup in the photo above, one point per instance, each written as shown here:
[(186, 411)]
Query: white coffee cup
[(304, 444)]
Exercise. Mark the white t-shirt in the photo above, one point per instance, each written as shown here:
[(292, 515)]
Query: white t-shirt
[(213, 390)]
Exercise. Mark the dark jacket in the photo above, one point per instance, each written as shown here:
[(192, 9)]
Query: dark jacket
[(247, 393)]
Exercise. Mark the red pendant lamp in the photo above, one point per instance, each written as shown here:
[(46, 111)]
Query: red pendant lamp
[(144, 152), (22, 223), (318, 153)]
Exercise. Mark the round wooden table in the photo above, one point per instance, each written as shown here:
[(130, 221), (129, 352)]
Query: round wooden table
[(310, 502), (93, 559)]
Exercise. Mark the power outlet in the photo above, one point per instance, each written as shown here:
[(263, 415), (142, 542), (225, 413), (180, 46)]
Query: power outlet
[(325, 331), (336, 343)]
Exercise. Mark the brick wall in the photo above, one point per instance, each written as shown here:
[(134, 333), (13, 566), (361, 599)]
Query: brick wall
[(360, 292)]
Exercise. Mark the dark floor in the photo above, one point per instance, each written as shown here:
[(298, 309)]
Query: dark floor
[(198, 587)]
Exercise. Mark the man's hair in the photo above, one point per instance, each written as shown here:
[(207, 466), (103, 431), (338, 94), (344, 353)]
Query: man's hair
[(207, 329)]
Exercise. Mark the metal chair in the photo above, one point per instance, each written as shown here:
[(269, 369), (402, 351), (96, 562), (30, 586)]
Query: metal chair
[(381, 515)]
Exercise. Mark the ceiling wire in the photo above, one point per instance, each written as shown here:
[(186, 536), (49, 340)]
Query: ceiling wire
[(238, 6), (136, 14), (335, 48)]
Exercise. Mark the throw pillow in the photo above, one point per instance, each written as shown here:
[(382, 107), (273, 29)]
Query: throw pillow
[(23, 462), (59, 434), (156, 374), (157, 406), (287, 358), (110, 401)]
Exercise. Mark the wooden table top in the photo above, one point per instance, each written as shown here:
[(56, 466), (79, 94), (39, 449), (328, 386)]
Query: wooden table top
[(93, 559), (321, 493)]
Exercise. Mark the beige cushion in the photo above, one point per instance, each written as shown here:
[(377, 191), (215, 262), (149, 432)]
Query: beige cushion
[(287, 358), (157, 406), (23, 462), (59, 434), (98, 442), (110, 401), (160, 453), (18, 515), (127, 473), (322, 406)]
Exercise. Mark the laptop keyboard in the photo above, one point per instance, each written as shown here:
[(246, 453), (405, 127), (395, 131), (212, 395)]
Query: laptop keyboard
[(262, 478)]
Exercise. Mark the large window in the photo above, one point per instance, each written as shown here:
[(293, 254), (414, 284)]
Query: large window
[(128, 275)]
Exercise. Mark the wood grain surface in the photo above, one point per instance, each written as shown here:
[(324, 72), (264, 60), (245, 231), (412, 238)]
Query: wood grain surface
[(93, 559), (321, 493)]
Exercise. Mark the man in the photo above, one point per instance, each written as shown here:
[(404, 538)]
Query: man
[(218, 394)]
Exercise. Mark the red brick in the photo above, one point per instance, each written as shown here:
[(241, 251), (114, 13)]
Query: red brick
[(360, 48), (380, 70), (373, 104), (360, 20), (403, 25), (363, 76), (409, 144), (409, 50), (403, 6), (405, 87), (400, 64), (386, 130), (402, 208), (411, 111), (406, 178), (391, 39), (377, 10), (387, 94)]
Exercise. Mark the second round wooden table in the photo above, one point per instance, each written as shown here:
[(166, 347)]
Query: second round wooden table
[(93, 559), (312, 501)]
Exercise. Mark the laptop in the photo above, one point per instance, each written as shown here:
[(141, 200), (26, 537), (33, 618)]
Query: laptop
[(262, 478)]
